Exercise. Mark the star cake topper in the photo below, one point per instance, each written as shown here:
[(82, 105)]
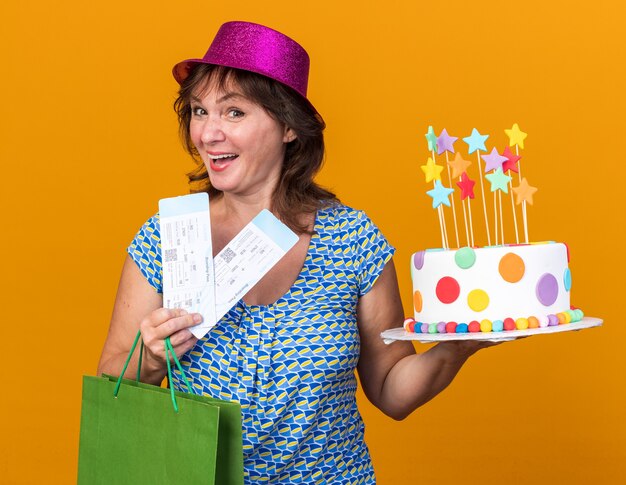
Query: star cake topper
[(467, 187), (516, 136), (498, 180), (493, 161), (445, 142), (440, 194), (458, 165), (431, 170), (510, 165), (431, 138), (476, 141), (524, 192)]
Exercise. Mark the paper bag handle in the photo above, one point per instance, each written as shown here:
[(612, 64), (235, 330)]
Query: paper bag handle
[(169, 352)]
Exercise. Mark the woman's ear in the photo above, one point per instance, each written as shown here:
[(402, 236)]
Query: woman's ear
[(289, 135)]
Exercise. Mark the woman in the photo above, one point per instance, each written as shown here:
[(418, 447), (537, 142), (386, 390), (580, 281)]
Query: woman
[(288, 350)]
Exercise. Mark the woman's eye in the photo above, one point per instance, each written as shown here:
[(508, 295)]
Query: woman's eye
[(235, 113), (197, 111)]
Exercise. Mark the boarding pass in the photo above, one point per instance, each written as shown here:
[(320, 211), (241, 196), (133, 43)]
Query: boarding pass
[(199, 283)]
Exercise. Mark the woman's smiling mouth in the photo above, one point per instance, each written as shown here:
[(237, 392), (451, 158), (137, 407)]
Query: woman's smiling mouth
[(220, 161)]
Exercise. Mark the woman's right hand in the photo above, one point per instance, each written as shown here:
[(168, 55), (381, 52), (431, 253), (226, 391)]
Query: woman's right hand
[(162, 323)]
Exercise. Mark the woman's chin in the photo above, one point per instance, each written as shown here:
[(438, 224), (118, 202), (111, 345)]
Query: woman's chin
[(218, 183)]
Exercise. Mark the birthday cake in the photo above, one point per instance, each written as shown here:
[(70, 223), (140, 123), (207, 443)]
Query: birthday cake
[(510, 287), (500, 287)]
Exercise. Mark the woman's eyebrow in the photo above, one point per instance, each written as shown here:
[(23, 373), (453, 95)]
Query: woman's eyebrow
[(231, 95), (226, 97)]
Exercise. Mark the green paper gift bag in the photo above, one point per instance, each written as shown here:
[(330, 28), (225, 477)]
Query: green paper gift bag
[(136, 433)]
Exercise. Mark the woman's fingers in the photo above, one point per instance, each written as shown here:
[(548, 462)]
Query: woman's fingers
[(181, 337), (177, 322), (169, 322), (185, 346), (165, 322)]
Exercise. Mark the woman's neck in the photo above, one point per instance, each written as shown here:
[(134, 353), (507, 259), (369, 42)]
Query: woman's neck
[(230, 207)]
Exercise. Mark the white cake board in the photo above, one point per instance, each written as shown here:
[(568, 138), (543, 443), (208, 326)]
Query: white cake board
[(390, 336)]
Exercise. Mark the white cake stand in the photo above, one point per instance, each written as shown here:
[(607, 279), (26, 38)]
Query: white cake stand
[(394, 334)]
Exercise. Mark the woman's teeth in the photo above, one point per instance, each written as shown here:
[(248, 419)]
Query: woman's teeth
[(221, 157)]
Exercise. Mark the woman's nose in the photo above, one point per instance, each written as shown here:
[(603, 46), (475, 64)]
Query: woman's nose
[(212, 131)]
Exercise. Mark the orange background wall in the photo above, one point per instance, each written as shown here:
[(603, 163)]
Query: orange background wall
[(88, 144)]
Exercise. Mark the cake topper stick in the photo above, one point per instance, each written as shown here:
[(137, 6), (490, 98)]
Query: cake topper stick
[(467, 192), (440, 196), (459, 167), (443, 237), (493, 163), (511, 165), (469, 210), (432, 173), (514, 214), (517, 137), (524, 193), (501, 218), (476, 142), (495, 219), (442, 216), (445, 143), (467, 238), (499, 182), (482, 190), (456, 230), (524, 216)]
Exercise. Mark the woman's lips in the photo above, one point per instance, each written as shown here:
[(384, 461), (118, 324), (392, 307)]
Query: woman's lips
[(221, 164)]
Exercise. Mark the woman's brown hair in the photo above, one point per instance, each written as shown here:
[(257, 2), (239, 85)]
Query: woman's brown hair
[(296, 193)]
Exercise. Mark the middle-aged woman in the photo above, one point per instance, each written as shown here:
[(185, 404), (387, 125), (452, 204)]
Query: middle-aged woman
[(287, 351)]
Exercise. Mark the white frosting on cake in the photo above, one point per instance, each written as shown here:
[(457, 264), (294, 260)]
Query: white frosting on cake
[(538, 285)]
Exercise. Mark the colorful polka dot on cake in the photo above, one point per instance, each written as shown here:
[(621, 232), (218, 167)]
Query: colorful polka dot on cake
[(465, 258), (567, 279), (478, 300), (511, 267), (417, 301), (447, 290), (547, 289), (418, 259)]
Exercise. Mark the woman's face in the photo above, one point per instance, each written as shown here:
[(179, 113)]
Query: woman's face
[(241, 145)]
